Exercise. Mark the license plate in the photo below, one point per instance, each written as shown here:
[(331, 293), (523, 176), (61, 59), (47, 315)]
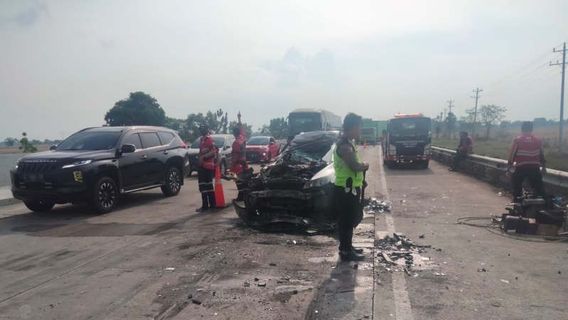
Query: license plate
[(33, 177)]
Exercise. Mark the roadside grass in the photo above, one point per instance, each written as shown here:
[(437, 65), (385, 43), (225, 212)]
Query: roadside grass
[(499, 148)]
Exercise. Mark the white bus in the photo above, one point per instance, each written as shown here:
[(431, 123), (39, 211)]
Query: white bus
[(306, 120)]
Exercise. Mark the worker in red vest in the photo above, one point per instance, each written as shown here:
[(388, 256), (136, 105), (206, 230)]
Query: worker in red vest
[(238, 156), (206, 171), (525, 162)]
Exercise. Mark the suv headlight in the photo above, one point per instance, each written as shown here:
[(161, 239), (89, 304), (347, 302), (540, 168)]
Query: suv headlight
[(322, 178), (17, 163), (77, 164)]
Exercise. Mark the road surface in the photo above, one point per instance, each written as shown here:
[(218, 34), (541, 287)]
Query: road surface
[(155, 258)]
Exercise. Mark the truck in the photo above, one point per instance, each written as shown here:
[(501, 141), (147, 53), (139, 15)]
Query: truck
[(372, 131), (307, 120), (408, 140)]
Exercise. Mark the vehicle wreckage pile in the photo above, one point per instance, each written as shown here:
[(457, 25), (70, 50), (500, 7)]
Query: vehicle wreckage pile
[(295, 189)]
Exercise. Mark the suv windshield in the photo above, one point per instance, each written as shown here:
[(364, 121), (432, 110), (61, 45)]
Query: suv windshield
[(258, 141), (90, 140)]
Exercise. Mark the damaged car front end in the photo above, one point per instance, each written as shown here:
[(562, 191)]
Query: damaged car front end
[(295, 189)]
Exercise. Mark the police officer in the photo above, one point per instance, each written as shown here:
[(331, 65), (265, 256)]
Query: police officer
[(206, 170), (238, 156), (527, 158), (348, 183)]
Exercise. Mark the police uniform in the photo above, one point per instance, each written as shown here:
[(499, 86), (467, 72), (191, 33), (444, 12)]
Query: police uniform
[(206, 172), (527, 158), (347, 197)]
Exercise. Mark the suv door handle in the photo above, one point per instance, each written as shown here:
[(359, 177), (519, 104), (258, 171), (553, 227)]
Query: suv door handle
[(166, 152), (144, 156)]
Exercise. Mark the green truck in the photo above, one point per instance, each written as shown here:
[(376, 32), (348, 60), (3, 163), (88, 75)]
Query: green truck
[(372, 131)]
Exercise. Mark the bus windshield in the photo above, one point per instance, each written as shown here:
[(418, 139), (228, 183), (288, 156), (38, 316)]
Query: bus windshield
[(304, 122), (409, 127)]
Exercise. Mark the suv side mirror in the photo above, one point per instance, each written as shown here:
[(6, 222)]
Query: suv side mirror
[(53, 147), (226, 147), (127, 148)]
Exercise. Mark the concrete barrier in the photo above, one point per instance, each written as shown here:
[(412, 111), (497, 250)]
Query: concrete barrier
[(494, 171)]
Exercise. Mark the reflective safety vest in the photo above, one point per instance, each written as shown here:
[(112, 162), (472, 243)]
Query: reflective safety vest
[(526, 151), (238, 155), (342, 170), (205, 146)]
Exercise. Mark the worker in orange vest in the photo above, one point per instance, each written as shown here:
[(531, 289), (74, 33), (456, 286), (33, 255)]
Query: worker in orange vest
[(206, 171), (238, 156), (526, 161)]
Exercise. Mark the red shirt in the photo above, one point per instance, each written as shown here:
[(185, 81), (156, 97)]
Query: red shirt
[(205, 146), (526, 151), (238, 154), (466, 145)]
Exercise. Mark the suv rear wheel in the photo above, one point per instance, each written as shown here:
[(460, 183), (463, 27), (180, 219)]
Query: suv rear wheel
[(172, 184), (105, 195), (39, 205)]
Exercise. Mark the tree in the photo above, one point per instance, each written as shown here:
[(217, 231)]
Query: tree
[(278, 128), (216, 121), (450, 122), (25, 144), (491, 115), (138, 109), (10, 142)]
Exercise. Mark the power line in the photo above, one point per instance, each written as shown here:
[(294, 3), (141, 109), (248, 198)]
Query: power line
[(563, 64)]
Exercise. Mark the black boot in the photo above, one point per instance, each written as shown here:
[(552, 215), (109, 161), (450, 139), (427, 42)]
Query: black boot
[(350, 255)]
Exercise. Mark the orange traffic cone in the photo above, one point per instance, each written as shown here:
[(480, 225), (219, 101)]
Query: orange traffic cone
[(219, 194)]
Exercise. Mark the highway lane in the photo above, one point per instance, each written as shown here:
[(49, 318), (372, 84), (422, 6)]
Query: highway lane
[(153, 256)]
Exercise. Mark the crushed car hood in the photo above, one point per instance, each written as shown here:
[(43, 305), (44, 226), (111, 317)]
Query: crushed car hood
[(279, 192)]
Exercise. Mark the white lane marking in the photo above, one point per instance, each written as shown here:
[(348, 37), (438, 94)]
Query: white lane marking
[(403, 309)]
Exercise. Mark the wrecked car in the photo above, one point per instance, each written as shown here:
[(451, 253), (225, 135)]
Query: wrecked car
[(294, 189)]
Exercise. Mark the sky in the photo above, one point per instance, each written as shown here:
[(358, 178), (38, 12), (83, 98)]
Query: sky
[(64, 63)]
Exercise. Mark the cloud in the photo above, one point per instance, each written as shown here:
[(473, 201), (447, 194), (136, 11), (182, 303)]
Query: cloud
[(23, 13), (295, 68)]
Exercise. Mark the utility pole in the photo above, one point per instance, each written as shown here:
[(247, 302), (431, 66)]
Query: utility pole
[(563, 64), (476, 97), (450, 106)]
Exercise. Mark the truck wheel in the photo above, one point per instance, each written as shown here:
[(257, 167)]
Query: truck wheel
[(39, 205), (105, 195), (172, 184)]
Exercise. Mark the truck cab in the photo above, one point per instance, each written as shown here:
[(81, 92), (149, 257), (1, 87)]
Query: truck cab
[(408, 140)]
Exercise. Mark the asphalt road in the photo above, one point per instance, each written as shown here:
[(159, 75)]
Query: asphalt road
[(155, 258)]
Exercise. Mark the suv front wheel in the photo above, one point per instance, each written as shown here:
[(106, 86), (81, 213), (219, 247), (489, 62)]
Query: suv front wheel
[(172, 184), (105, 195), (39, 205)]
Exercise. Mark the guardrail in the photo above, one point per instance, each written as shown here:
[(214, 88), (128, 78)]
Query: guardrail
[(494, 170)]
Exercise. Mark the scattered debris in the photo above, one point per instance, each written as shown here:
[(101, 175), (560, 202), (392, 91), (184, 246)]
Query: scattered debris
[(496, 304), (272, 264), (196, 301), (398, 253), (170, 269), (261, 284), (422, 236), (246, 284), (505, 281), (375, 205), (481, 270)]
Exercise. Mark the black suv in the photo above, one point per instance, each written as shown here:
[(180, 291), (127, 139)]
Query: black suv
[(98, 164)]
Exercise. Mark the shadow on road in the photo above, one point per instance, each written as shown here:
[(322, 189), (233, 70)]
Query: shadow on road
[(335, 298), (70, 220)]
